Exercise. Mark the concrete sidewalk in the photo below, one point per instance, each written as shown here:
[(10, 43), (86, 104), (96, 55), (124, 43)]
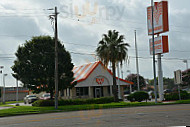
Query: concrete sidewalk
[(1, 108)]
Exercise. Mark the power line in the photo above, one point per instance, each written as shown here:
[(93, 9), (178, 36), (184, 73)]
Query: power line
[(94, 54), (120, 20)]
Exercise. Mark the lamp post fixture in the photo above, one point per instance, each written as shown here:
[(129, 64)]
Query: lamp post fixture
[(185, 61), (4, 75)]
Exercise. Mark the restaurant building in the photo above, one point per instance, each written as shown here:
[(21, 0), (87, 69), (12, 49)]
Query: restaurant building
[(10, 93), (94, 80)]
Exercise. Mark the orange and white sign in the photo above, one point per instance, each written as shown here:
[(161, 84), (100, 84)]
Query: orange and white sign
[(161, 24), (100, 80), (160, 45)]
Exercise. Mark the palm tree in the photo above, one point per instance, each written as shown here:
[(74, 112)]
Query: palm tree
[(112, 49)]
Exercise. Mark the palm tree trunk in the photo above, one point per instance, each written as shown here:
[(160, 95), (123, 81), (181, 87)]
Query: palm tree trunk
[(115, 91)]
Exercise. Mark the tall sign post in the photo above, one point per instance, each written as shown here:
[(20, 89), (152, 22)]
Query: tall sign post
[(178, 80), (157, 20)]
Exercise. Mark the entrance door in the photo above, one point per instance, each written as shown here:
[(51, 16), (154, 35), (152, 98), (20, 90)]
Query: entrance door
[(98, 92)]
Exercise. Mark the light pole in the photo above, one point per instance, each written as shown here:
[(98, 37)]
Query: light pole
[(137, 63), (4, 75), (122, 73), (1, 71), (185, 61), (119, 91), (17, 92)]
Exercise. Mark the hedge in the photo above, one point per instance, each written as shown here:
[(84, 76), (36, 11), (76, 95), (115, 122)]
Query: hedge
[(175, 96), (62, 102), (138, 96)]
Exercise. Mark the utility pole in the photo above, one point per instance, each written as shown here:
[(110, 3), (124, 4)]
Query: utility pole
[(137, 63), (54, 16), (56, 60), (17, 92), (154, 67), (4, 75)]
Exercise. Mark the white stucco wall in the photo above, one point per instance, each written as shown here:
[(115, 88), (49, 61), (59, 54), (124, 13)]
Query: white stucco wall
[(99, 72)]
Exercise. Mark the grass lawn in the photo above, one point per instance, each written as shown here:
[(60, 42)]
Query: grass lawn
[(21, 110), (10, 102)]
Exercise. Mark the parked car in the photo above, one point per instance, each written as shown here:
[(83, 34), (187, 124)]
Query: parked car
[(45, 96), (186, 89), (167, 91), (30, 99)]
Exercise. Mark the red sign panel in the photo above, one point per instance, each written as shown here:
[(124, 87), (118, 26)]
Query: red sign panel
[(161, 24), (100, 80), (160, 45)]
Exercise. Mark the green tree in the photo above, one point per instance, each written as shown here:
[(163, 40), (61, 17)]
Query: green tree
[(169, 82), (35, 64), (186, 78), (133, 78), (112, 49)]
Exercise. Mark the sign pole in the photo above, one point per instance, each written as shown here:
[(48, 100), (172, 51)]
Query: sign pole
[(154, 67), (160, 77), (178, 80), (179, 92)]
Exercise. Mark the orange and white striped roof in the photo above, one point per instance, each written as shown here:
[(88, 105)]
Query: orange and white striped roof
[(82, 72)]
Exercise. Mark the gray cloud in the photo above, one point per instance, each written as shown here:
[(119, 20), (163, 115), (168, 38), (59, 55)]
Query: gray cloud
[(123, 15)]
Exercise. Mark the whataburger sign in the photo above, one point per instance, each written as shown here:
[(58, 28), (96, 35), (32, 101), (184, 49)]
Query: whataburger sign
[(161, 45), (161, 25), (160, 18)]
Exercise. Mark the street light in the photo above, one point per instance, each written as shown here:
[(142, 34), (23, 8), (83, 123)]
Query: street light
[(4, 87), (185, 61), (1, 67)]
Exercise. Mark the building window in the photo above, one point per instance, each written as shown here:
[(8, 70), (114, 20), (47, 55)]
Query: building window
[(82, 91)]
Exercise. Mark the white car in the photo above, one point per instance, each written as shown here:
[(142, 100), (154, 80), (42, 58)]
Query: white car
[(30, 99), (45, 96)]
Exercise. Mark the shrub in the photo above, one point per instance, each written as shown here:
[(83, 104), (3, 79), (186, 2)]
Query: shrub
[(153, 96), (175, 96), (138, 96), (40, 103), (131, 98), (63, 102)]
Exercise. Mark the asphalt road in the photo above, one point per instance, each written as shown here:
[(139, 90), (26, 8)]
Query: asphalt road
[(167, 115)]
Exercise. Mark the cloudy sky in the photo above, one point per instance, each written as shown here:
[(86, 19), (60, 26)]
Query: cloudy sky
[(80, 30)]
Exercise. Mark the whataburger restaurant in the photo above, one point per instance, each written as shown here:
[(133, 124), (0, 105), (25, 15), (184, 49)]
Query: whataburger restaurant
[(94, 80)]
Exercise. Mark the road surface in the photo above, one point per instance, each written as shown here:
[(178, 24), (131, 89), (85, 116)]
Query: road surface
[(165, 115)]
